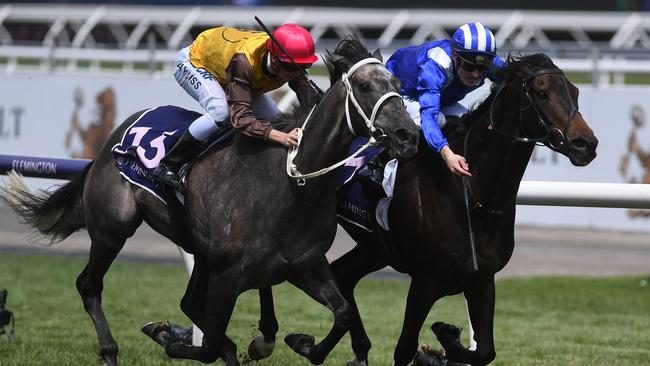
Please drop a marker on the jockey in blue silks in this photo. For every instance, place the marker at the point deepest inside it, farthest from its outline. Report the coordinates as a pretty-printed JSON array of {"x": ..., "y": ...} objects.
[{"x": 436, "y": 75}]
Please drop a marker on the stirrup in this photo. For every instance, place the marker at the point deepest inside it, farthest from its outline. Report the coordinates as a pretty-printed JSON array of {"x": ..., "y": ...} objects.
[
  {"x": 372, "y": 173},
  {"x": 165, "y": 175}
]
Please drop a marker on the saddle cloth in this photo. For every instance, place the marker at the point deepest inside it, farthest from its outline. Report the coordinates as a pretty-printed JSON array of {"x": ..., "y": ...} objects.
[
  {"x": 145, "y": 143},
  {"x": 359, "y": 201}
]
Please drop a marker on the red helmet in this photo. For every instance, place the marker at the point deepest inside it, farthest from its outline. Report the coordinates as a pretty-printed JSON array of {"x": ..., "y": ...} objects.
[{"x": 297, "y": 41}]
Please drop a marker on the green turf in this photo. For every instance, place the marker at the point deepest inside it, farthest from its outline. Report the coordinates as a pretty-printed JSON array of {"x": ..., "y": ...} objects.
[{"x": 541, "y": 321}]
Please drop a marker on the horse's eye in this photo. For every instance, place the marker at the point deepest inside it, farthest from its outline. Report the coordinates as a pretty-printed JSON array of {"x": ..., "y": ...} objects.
[
  {"x": 365, "y": 87},
  {"x": 542, "y": 95}
]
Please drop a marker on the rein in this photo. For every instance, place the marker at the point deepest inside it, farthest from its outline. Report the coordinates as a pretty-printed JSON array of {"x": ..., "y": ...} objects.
[{"x": 292, "y": 169}]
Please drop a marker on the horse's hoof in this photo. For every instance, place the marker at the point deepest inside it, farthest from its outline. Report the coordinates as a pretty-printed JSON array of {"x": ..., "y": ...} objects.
[
  {"x": 160, "y": 332},
  {"x": 300, "y": 343},
  {"x": 232, "y": 362},
  {"x": 356, "y": 362},
  {"x": 428, "y": 359},
  {"x": 180, "y": 334},
  {"x": 445, "y": 331},
  {"x": 259, "y": 348},
  {"x": 177, "y": 350},
  {"x": 109, "y": 361}
]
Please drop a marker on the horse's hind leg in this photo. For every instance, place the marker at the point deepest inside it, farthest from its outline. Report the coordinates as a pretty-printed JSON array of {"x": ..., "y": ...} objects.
[
  {"x": 262, "y": 346},
  {"x": 108, "y": 227},
  {"x": 319, "y": 283},
  {"x": 104, "y": 248}
]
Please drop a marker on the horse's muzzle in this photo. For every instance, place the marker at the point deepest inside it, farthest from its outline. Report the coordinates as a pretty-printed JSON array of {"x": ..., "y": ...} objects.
[
  {"x": 582, "y": 149},
  {"x": 405, "y": 143}
]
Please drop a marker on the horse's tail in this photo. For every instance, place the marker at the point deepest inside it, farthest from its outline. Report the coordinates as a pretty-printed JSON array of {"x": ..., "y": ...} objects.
[{"x": 55, "y": 214}]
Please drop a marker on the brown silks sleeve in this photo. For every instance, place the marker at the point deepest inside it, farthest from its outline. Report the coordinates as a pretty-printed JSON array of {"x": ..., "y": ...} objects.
[
  {"x": 306, "y": 94},
  {"x": 239, "y": 96}
]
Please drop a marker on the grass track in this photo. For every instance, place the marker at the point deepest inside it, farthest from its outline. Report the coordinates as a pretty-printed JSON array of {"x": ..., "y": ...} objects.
[{"x": 539, "y": 321}]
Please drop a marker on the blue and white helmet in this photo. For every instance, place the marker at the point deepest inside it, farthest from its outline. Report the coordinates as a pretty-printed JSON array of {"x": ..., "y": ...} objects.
[{"x": 475, "y": 42}]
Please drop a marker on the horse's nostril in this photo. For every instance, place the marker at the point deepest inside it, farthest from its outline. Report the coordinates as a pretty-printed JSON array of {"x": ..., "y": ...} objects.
[
  {"x": 583, "y": 144},
  {"x": 402, "y": 135},
  {"x": 579, "y": 144}
]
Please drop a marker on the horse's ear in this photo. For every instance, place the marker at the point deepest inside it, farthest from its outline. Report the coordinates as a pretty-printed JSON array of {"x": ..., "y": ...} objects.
[{"x": 377, "y": 55}]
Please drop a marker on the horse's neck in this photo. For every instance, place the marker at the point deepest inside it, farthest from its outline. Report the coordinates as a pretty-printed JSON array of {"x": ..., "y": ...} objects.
[
  {"x": 325, "y": 139},
  {"x": 499, "y": 161}
]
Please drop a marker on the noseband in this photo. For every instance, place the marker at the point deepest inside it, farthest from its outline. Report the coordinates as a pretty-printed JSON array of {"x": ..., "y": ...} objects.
[
  {"x": 376, "y": 134},
  {"x": 554, "y": 138}
]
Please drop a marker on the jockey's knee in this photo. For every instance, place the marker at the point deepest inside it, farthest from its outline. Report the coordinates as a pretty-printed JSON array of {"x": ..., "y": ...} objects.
[
  {"x": 218, "y": 110},
  {"x": 203, "y": 127}
]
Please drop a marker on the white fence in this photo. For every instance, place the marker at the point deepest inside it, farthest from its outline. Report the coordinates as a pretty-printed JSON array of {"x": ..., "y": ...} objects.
[
  {"x": 74, "y": 24},
  {"x": 602, "y": 43},
  {"x": 583, "y": 194}
]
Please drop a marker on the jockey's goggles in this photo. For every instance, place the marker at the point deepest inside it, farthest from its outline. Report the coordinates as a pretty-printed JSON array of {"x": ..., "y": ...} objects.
[
  {"x": 293, "y": 67},
  {"x": 470, "y": 66}
]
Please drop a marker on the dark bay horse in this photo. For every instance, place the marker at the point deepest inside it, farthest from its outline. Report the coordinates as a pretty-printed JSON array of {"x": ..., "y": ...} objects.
[
  {"x": 246, "y": 222},
  {"x": 534, "y": 103}
]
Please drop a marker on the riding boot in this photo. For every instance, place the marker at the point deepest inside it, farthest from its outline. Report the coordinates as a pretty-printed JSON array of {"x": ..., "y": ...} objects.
[
  {"x": 373, "y": 171},
  {"x": 186, "y": 148}
]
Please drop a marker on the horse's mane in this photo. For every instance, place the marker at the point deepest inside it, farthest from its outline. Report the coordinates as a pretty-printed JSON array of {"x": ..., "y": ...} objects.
[
  {"x": 348, "y": 52},
  {"x": 517, "y": 67}
]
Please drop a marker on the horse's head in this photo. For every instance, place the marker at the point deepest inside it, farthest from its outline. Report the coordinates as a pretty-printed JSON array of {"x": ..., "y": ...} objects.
[
  {"x": 548, "y": 110},
  {"x": 373, "y": 105}
]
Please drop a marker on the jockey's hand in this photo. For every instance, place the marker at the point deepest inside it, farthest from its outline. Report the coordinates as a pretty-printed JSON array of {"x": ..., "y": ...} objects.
[
  {"x": 285, "y": 139},
  {"x": 456, "y": 163}
]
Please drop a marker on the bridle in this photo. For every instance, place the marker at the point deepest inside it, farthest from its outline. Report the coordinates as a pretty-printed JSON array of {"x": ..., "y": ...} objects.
[
  {"x": 376, "y": 134},
  {"x": 560, "y": 144},
  {"x": 555, "y": 138}
]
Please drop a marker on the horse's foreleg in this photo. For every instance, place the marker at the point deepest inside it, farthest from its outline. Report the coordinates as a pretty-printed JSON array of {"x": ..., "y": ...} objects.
[
  {"x": 220, "y": 301},
  {"x": 421, "y": 297},
  {"x": 480, "y": 300},
  {"x": 348, "y": 270},
  {"x": 262, "y": 346},
  {"x": 319, "y": 283}
]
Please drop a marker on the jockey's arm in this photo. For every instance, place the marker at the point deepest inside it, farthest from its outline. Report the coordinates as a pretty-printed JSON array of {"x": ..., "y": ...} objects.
[
  {"x": 239, "y": 94},
  {"x": 432, "y": 133}
]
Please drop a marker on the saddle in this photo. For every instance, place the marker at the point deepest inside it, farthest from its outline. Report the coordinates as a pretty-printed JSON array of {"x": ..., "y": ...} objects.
[{"x": 145, "y": 142}]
